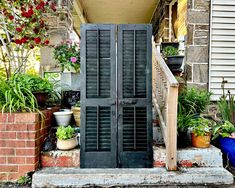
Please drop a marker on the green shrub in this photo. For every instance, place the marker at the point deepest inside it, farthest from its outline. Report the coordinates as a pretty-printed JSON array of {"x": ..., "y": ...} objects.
[
  {"x": 193, "y": 100},
  {"x": 202, "y": 126},
  {"x": 170, "y": 51},
  {"x": 223, "y": 129}
]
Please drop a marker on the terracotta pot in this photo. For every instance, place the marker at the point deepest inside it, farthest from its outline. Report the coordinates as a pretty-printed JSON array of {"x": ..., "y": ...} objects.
[
  {"x": 67, "y": 144},
  {"x": 76, "y": 115},
  {"x": 201, "y": 141}
]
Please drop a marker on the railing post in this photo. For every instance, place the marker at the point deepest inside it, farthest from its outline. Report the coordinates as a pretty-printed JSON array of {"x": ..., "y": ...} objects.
[{"x": 171, "y": 128}]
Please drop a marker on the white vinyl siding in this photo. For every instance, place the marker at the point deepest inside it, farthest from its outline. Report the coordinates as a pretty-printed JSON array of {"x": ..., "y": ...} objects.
[{"x": 222, "y": 46}]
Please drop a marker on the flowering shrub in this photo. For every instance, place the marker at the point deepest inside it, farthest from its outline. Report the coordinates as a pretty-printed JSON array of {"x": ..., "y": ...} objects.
[
  {"x": 67, "y": 55},
  {"x": 22, "y": 27}
]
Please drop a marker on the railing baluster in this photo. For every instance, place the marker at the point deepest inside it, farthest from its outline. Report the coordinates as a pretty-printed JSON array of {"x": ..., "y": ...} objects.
[{"x": 165, "y": 97}]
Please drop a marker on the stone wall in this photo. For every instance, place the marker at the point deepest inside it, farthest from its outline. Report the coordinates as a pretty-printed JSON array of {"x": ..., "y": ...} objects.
[
  {"x": 197, "y": 43},
  {"x": 21, "y": 137}
]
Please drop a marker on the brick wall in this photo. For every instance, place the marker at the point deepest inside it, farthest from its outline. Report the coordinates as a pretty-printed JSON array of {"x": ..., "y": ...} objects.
[
  {"x": 197, "y": 48},
  {"x": 21, "y": 136}
]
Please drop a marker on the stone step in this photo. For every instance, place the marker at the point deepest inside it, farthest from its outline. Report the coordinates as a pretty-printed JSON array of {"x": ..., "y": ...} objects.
[
  {"x": 191, "y": 157},
  {"x": 75, "y": 177},
  {"x": 188, "y": 157}
]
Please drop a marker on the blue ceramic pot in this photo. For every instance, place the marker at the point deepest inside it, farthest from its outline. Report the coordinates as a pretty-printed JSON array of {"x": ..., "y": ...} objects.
[{"x": 227, "y": 146}]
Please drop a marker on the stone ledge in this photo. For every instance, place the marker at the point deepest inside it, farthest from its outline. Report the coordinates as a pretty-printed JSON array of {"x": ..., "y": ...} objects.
[{"x": 75, "y": 177}]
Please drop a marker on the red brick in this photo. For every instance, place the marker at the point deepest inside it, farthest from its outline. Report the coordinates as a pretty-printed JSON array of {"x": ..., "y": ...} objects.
[
  {"x": 3, "y": 176},
  {"x": 185, "y": 163},
  {"x": 159, "y": 163},
  {"x": 61, "y": 161},
  {"x": 16, "y": 127},
  {"x": 26, "y": 152},
  {"x": 3, "y": 160},
  {"x": 3, "y": 117},
  {"x": 33, "y": 126},
  {"x": 26, "y": 117},
  {"x": 2, "y": 126},
  {"x": 12, "y": 143},
  {"x": 7, "y": 151},
  {"x": 30, "y": 143},
  {"x": 16, "y": 160},
  {"x": 7, "y": 135},
  {"x": 11, "y": 118},
  {"x": 32, "y": 160},
  {"x": 26, "y": 135},
  {"x": 8, "y": 168},
  {"x": 28, "y": 168}
]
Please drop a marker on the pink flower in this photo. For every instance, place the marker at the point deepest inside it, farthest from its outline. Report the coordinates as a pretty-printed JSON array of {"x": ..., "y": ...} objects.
[{"x": 73, "y": 59}]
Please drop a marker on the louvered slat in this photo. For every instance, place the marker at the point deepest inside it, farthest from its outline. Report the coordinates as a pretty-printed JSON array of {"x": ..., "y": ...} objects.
[{"x": 98, "y": 129}]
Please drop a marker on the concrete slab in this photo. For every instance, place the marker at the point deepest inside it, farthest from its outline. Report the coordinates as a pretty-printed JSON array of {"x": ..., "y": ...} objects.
[{"x": 75, "y": 177}]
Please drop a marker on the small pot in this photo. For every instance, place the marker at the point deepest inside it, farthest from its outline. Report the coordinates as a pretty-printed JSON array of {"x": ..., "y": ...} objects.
[
  {"x": 201, "y": 141},
  {"x": 76, "y": 115},
  {"x": 183, "y": 139},
  {"x": 67, "y": 144},
  {"x": 63, "y": 118}
]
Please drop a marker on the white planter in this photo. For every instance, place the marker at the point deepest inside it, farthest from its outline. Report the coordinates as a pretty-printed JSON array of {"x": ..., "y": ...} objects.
[
  {"x": 67, "y": 144},
  {"x": 63, "y": 118}
]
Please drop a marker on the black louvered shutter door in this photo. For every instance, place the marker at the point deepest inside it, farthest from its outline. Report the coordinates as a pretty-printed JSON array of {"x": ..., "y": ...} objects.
[
  {"x": 134, "y": 96},
  {"x": 98, "y": 96}
]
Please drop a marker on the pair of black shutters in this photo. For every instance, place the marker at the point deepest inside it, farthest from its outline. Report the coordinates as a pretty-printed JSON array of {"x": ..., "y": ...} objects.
[{"x": 116, "y": 96}]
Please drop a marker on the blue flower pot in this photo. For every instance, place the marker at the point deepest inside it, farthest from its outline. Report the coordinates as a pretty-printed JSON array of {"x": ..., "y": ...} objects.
[{"x": 227, "y": 146}]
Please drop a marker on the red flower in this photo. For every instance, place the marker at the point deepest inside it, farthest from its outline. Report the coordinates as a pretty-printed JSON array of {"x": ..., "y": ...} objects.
[
  {"x": 37, "y": 40},
  {"x": 24, "y": 40},
  {"x": 24, "y": 14},
  {"x": 38, "y": 7},
  {"x": 18, "y": 41},
  {"x": 46, "y": 42},
  {"x": 11, "y": 17},
  {"x": 42, "y": 4},
  {"x": 18, "y": 29},
  {"x": 30, "y": 12}
]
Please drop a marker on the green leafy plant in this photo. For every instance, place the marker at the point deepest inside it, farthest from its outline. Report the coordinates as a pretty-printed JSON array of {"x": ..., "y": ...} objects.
[
  {"x": 184, "y": 121},
  {"x": 223, "y": 129},
  {"x": 227, "y": 107},
  {"x": 65, "y": 133},
  {"x": 67, "y": 55},
  {"x": 24, "y": 180},
  {"x": 14, "y": 97},
  {"x": 193, "y": 100},
  {"x": 34, "y": 83},
  {"x": 202, "y": 126},
  {"x": 77, "y": 104},
  {"x": 170, "y": 51}
]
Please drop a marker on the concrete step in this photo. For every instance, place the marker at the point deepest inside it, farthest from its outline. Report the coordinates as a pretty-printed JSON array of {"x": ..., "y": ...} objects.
[
  {"x": 75, "y": 177},
  {"x": 191, "y": 157}
]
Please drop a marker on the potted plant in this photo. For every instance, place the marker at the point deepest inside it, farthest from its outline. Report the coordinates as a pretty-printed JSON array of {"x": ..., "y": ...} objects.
[
  {"x": 63, "y": 118},
  {"x": 173, "y": 59},
  {"x": 201, "y": 132},
  {"x": 76, "y": 113},
  {"x": 67, "y": 54},
  {"x": 66, "y": 138},
  {"x": 40, "y": 87},
  {"x": 225, "y": 132}
]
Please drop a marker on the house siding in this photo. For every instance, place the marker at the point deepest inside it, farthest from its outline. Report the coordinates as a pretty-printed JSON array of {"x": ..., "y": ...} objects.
[{"x": 222, "y": 51}]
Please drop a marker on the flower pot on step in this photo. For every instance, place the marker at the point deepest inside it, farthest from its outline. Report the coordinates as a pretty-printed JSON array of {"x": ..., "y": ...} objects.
[
  {"x": 201, "y": 141},
  {"x": 41, "y": 98},
  {"x": 63, "y": 118},
  {"x": 227, "y": 146},
  {"x": 67, "y": 144}
]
